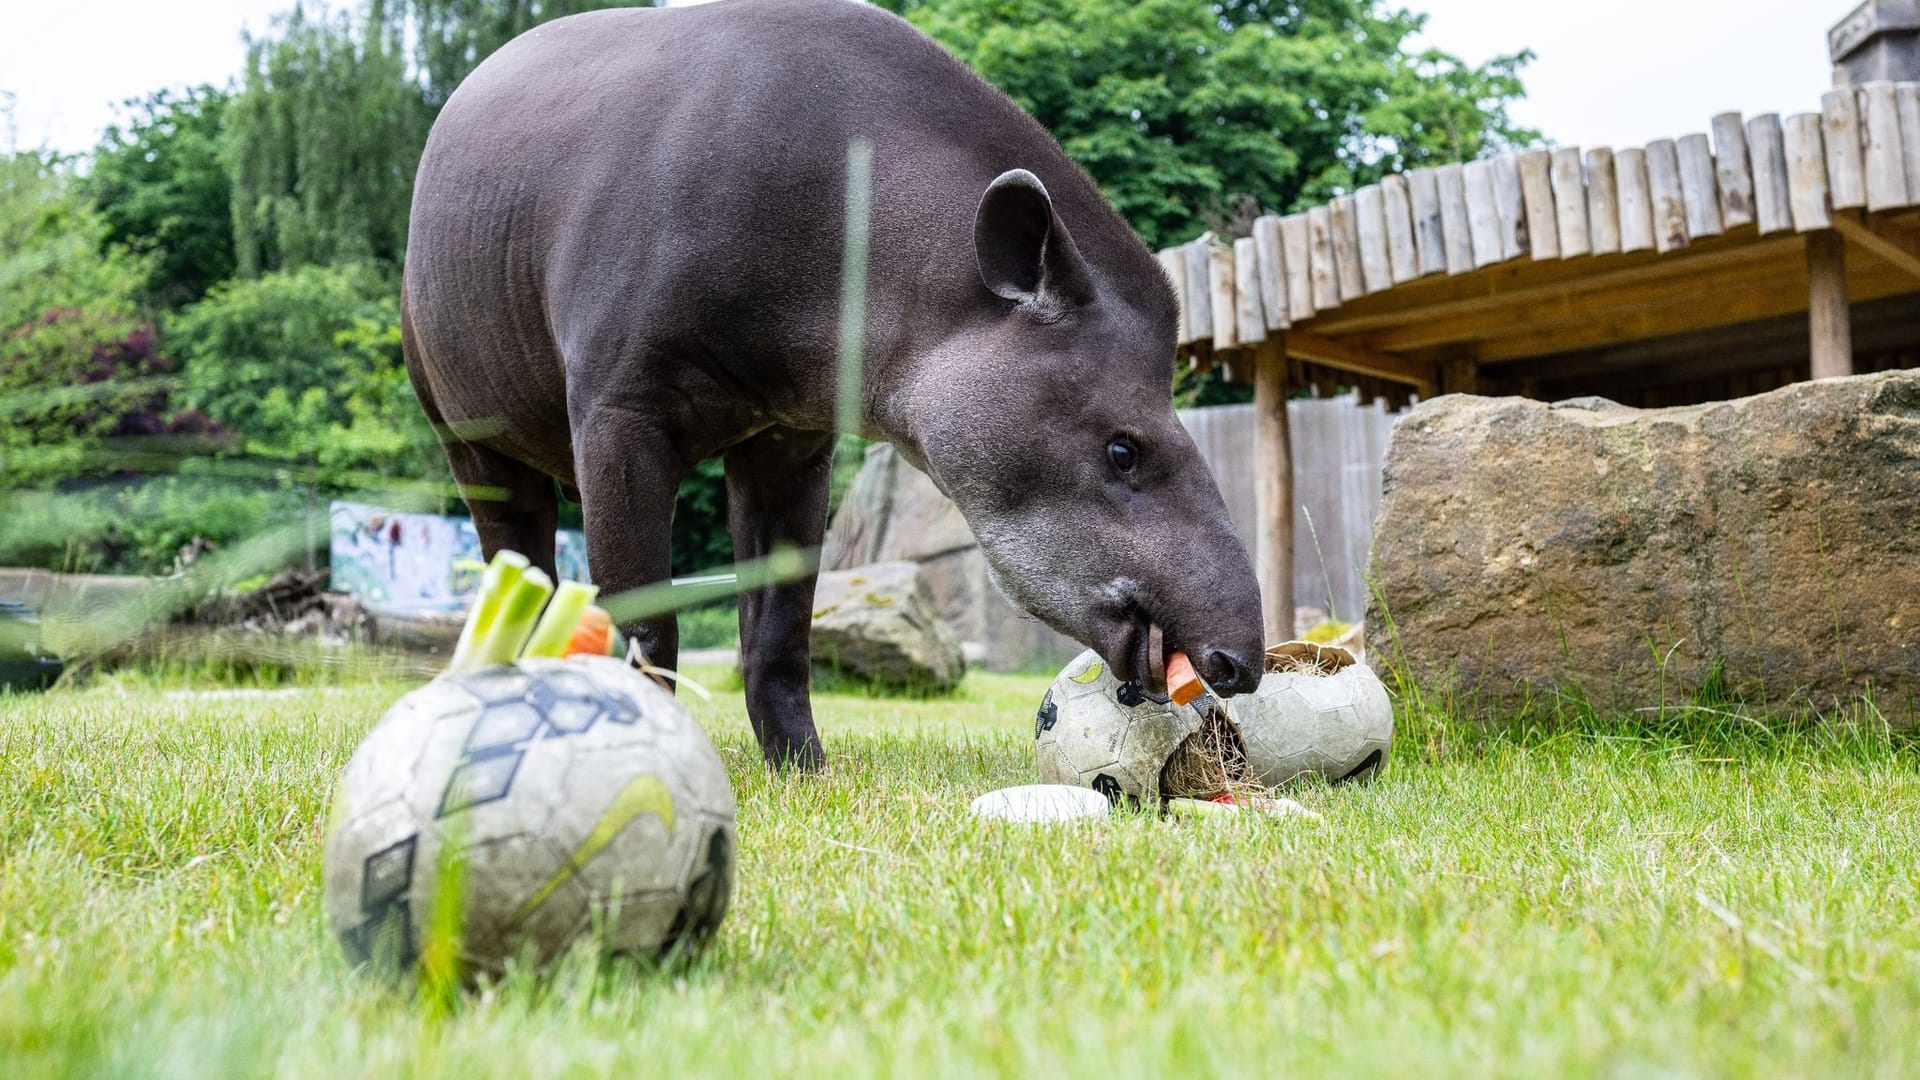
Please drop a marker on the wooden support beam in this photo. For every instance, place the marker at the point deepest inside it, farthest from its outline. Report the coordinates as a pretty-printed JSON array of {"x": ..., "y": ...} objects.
[
  {"x": 1346, "y": 356},
  {"x": 1829, "y": 320},
  {"x": 1273, "y": 488},
  {"x": 1897, "y": 246}
]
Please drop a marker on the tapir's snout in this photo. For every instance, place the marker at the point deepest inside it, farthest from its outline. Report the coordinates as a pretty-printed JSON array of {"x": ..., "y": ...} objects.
[{"x": 1230, "y": 673}]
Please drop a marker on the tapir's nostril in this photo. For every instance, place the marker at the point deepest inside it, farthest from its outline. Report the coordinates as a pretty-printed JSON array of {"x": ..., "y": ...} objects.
[{"x": 1228, "y": 674}]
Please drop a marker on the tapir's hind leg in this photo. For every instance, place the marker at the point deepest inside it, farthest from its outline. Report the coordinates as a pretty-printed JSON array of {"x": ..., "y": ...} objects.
[
  {"x": 515, "y": 506},
  {"x": 777, "y": 494}
]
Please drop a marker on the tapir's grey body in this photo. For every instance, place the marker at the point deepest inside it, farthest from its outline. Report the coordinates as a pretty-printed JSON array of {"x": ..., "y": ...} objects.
[{"x": 625, "y": 258}]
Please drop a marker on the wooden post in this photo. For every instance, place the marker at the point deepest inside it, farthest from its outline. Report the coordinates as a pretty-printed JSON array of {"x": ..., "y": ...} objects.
[
  {"x": 1429, "y": 235},
  {"x": 1370, "y": 222},
  {"x": 1772, "y": 203},
  {"x": 1830, "y": 328},
  {"x": 1730, "y": 159},
  {"x": 1603, "y": 202},
  {"x": 1570, "y": 202},
  {"x": 1399, "y": 207},
  {"x": 1698, "y": 187},
  {"x": 1273, "y": 489},
  {"x": 1636, "y": 202},
  {"x": 1885, "y": 154},
  {"x": 1669, "y": 202}
]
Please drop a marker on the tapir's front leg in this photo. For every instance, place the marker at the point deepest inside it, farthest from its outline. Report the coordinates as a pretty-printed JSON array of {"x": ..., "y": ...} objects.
[{"x": 777, "y": 494}]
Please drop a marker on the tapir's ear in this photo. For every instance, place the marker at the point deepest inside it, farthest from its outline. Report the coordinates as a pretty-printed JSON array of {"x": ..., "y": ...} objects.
[{"x": 1023, "y": 248}]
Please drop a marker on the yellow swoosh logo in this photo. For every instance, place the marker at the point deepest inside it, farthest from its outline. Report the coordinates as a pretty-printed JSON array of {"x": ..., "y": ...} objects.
[
  {"x": 1086, "y": 677},
  {"x": 643, "y": 795}
]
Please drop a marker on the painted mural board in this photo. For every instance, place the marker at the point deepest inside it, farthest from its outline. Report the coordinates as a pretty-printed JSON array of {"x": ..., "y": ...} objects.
[{"x": 400, "y": 561}]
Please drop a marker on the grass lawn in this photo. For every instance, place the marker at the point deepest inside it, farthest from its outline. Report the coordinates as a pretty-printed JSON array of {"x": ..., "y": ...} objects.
[{"x": 1711, "y": 900}]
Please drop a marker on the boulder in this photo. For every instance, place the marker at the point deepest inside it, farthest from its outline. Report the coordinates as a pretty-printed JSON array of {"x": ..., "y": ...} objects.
[
  {"x": 1765, "y": 550},
  {"x": 879, "y": 623}
]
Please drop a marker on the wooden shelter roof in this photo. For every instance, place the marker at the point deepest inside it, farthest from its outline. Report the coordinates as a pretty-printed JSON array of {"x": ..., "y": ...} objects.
[{"x": 1450, "y": 277}]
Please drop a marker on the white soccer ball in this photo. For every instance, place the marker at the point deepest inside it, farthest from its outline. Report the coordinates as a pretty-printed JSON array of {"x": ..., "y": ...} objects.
[
  {"x": 1317, "y": 711},
  {"x": 1097, "y": 732},
  {"x": 525, "y": 807}
]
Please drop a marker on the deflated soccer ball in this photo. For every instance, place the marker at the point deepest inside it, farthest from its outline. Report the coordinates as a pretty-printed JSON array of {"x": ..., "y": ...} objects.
[
  {"x": 518, "y": 809},
  {"x": 1317, "y": 711},
  {"x": 1097, "y": 732}
]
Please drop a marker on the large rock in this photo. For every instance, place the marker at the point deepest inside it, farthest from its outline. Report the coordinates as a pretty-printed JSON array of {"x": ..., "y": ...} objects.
[
  {"x": 893, "y": 512},
  {"x": 1767, "y": 549},
  {"x": 879, "y": 623}
]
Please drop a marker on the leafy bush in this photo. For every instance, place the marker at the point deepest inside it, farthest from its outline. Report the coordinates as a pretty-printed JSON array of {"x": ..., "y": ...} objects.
[
  {"x": 305, "y": 366},
  {"x": 138, "y": 526}
]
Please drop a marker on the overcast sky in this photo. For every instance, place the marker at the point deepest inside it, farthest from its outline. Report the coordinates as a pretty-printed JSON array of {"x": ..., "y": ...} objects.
[{"x": 1617, "y": 73}]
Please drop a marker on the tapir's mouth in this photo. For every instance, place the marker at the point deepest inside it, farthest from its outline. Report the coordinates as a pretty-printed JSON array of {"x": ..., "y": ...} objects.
[{"x": 1138, "y": 652}]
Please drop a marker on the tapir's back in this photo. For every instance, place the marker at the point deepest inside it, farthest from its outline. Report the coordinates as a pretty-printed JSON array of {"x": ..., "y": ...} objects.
[{"x": 661, "y": 190}]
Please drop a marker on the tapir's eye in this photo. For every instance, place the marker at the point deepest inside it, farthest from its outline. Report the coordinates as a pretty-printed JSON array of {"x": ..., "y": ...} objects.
[{"x": 1123, "y": 455}]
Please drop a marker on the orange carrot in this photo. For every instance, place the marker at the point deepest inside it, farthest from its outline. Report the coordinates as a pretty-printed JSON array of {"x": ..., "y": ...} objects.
[
  {"x": 1183, "y": 686},
  {"x": 593, "y": 635}
]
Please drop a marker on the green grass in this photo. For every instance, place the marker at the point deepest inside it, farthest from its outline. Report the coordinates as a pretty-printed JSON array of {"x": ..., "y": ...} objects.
[{"x": 1689, "y": 899}]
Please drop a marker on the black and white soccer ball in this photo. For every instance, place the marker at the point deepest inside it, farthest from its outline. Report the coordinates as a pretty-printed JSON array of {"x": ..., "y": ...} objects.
[
  {"x": 1317, "y": 712},
  {"x": 522, "y": 808},
  {"x": 1098, "y": 732}
]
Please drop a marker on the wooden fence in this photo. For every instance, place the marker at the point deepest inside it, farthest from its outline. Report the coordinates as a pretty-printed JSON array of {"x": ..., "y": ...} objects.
[{"x": 1338, "y": 448}]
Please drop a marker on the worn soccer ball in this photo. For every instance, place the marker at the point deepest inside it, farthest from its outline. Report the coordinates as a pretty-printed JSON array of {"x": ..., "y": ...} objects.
[
  {"x": 1317, "y": 711},
  {"x": 1098, "y": 732},
  {"x": 519, "y": 809}
]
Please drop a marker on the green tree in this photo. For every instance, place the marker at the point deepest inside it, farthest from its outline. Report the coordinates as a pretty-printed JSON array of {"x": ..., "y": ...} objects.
[
  {"x": 158, "y": 182},
  {"x": 1194, "y": 114},
  {"x": 76, "y": 359},
  {"x": 322, "y": 142},
  {"x": 326, "y": 131}
]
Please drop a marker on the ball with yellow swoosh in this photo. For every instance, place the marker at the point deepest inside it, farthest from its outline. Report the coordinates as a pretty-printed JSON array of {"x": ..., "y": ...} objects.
[{"x": 505, "y": 815}]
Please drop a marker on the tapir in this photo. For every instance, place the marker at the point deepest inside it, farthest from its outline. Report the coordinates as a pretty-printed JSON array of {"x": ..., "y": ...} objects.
[{"x": 625, "y": 257}]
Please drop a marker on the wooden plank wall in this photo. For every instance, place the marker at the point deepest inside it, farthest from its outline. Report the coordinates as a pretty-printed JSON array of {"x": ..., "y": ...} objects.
[
  {"x": 1859, "y": 153},
  {"x": 1339, "y": 446}
]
